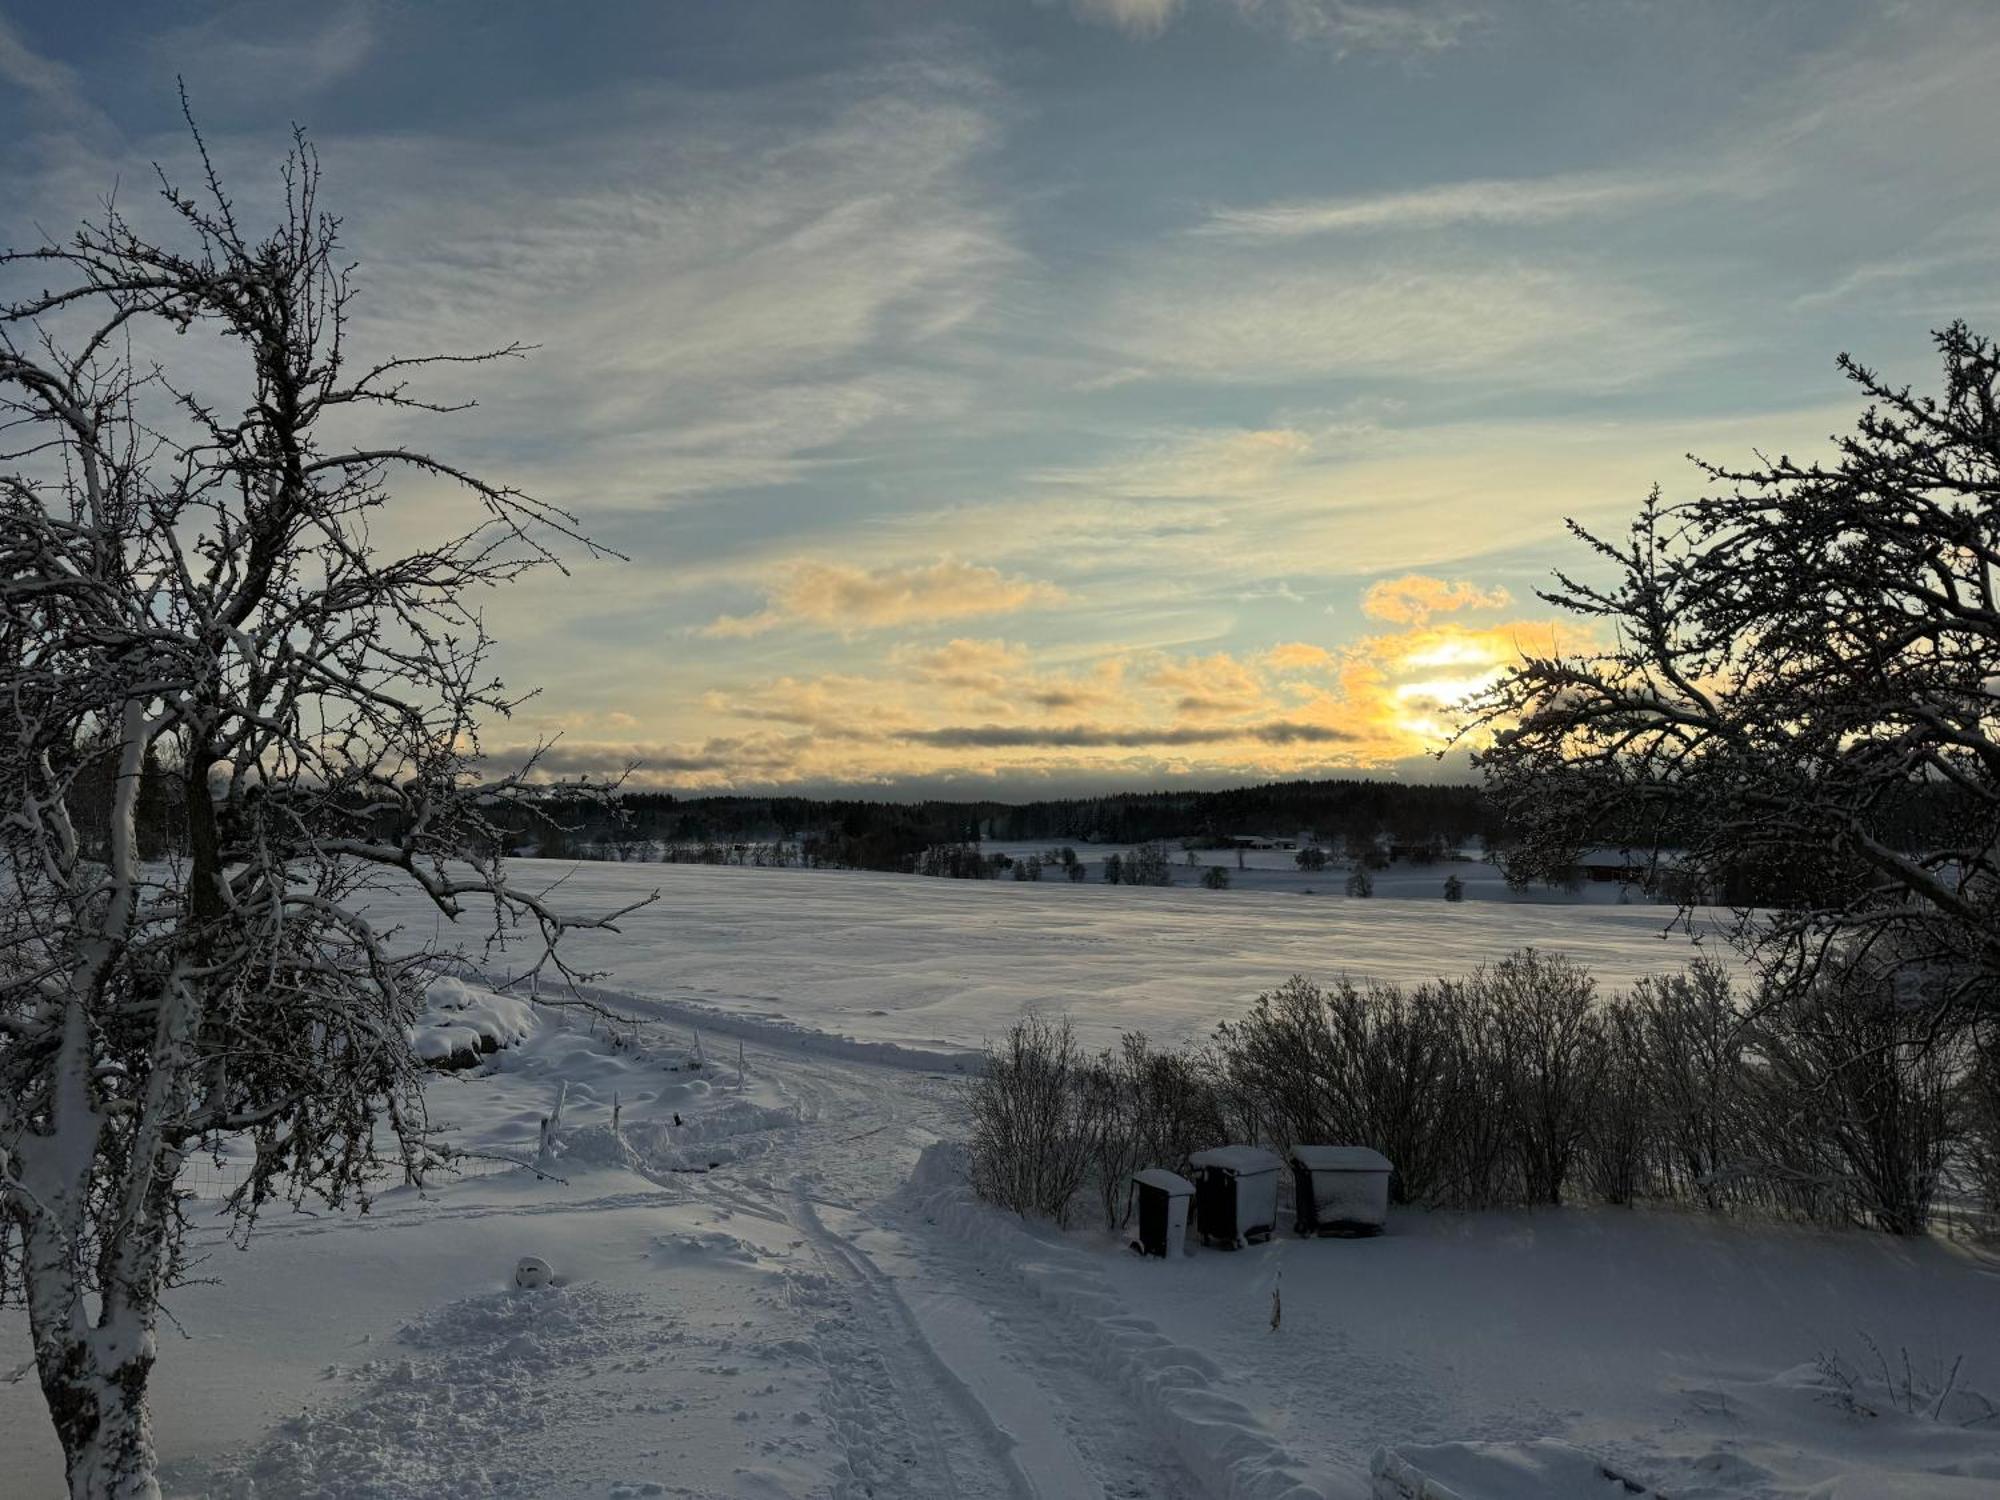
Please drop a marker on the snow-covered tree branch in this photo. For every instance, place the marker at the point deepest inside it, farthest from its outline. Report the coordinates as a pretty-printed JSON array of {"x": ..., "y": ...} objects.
[
  {"x": 1801, "y": 690},
  {"x": 194, "y": 600}
]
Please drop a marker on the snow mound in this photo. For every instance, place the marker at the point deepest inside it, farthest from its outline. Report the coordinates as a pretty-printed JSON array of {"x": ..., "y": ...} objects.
[
  {"x": 1500, "y": 1471},
  {"x": 706, "y": 1245},
  {"x": 462, "y": 1023}
]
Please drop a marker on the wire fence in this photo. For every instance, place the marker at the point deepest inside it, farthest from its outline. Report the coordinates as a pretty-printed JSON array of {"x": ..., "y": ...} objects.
[{"x": 206, "y": 1180}]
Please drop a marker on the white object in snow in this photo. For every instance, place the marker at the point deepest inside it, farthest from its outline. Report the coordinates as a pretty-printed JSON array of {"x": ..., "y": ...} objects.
[
  {"x": 1340, "y": 1189},
  {"x": 1163, "y": 1212},
  {"x": 1236, "y": 1191},
  {"x": 531, "y": 1272}
]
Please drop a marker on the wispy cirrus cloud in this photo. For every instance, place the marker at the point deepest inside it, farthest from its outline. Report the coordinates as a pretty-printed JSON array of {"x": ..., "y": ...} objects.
[
  {"x": 1435, "y": 319},
  {"x": 1340, "y": 27},
  {"x": 1399, "y": 27},
  {"x": 1491, "y": 201},
  {"x": 1135, "y": 17},
  {"x": 245, "y": 55}
]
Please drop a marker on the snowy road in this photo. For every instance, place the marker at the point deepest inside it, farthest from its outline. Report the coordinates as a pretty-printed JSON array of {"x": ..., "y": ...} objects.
[{"x": 943, "y": 1384}]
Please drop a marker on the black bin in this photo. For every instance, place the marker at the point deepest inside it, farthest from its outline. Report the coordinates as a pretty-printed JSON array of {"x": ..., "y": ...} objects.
[
  {"x": 1236, "y": 1195},
  {"x": 1163, "y": 1201}
]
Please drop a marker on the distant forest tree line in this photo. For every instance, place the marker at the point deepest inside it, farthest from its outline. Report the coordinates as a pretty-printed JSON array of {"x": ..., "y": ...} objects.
[{"x": 942, "y": 838}]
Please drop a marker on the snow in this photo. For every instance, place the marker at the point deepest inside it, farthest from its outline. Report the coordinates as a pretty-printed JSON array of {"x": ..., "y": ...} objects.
[
  {"x": 1244, "y": 1161},
  {"x": 1340, "y": 1159},
  {"x": 1167, "y": 1182},
  {"x": 774, "y": 1280},
  {"x": 944, "y": 966},
  {"x": 463, "y": 1021}
]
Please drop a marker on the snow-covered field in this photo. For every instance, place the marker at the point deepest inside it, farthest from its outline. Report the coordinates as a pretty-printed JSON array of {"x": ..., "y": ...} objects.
[
  {"x": 947, "y": 964},
  {"x": 775, "y": 1283}
]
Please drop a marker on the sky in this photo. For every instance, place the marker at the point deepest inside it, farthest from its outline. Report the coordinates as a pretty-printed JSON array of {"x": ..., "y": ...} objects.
[{"x": 1007, "y": 398}]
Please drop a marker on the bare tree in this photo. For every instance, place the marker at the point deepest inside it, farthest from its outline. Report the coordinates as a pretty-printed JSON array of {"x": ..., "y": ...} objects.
[
  {"x": 1800, "y": 685},
  {"x": 191, "y": 581}
]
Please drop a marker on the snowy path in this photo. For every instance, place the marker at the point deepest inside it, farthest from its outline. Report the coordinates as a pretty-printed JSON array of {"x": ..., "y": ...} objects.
[{"x": 976, "y": 1400}]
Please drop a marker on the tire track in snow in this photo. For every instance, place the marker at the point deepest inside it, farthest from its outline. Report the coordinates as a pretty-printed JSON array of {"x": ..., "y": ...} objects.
[
  {"x": 1054, "y": 1430},
  {"x": 928, "y": 1395}
]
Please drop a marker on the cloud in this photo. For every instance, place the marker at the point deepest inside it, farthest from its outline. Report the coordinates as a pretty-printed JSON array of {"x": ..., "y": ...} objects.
[
  {"x": 837, "y": 596},
  {"x": 1135, "y": 17},
  {"x": 1414, "y": 598},
  {"x": 1341, "y": 27},
  {"x": 1207, "y": 686},
  {"x": 54, "y": 86},
  {"x": 1401, "y": 27},
  {"x": 1521, "y": 200},
  {"x": 1077, "y": 736},
  {"x": 1211, "y": 318},
  {"x": 1296, "y": 655},
  {"x": 248, "y": 58},
  {"x": 990, "y": 667}
]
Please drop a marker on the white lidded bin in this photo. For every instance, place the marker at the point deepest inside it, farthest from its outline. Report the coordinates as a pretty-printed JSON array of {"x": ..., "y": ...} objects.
[
  {"x": 1340, "y": 1189},
  {"x": 1163, "y": 1201},
  {"x": 1236, "y": 1194}
]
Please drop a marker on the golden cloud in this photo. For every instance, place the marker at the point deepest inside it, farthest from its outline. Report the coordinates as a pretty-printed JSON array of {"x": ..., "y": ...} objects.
[
  {"x": 1415, "y": 597},
  {"x": 976, "y": 708}
]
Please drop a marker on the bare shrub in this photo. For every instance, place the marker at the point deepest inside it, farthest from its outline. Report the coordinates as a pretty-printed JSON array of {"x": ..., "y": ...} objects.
[
  {"x": 1982, "y": 1119},
  {"x": 1284, "y": 1063},
  {"x": 1031, "y": 1144},
  {"x": 1175, "y": 1108},
  {"x": 1856, "y": 1098},
  {"x": 1549, "y": 1047},
  {"x": 1619, "y": 1140},
  {"x": 1406, "y": 1072},
  {"x": 1691, "y": 1035}
]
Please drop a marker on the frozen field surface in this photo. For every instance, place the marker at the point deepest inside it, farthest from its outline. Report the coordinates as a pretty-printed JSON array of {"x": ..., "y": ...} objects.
[
  {"x": 947, "y": 964},
  {"x": 773, "y": 1280}
]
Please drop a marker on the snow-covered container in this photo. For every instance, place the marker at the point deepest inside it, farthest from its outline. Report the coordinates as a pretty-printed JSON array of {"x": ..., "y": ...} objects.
[
  {"x": 1235, "y": 1194},
  {"x": 1340, "y": 1189},
  {"x": 1163, "y": 1199}
]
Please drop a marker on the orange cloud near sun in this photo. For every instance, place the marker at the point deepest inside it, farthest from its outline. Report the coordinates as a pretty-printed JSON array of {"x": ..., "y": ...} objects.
[{"x": 1415, "y": 598}]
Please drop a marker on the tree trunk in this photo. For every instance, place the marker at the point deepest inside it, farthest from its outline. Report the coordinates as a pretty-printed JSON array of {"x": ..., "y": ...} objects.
[
  {"x": 101, "y": 1417},
  {"x": 93, "y": 1376}
]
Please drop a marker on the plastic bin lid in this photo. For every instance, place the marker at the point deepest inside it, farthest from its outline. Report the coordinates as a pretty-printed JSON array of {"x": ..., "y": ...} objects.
[
  {"x": 1340, "y": 1159},
  {"x": 1242, "y": 1160},
  {"x": 1169, "y": 1182}
]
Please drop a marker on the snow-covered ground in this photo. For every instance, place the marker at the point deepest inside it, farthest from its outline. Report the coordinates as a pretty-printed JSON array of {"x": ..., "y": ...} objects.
[
  {"x": 790, "y": 1291},
  {"x": 947, "y": 964}
]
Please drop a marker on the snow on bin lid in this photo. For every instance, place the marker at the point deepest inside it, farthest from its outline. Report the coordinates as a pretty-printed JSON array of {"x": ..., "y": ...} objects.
[
  {"x": 1168, "y": 1182},
  {"x": 1242, "y": 1160},
  {"x": 1340, "y": 1159}
]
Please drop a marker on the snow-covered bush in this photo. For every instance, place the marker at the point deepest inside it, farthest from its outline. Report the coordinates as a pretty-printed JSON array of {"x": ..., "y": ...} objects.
[{"x": 463, "y": 1023}]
